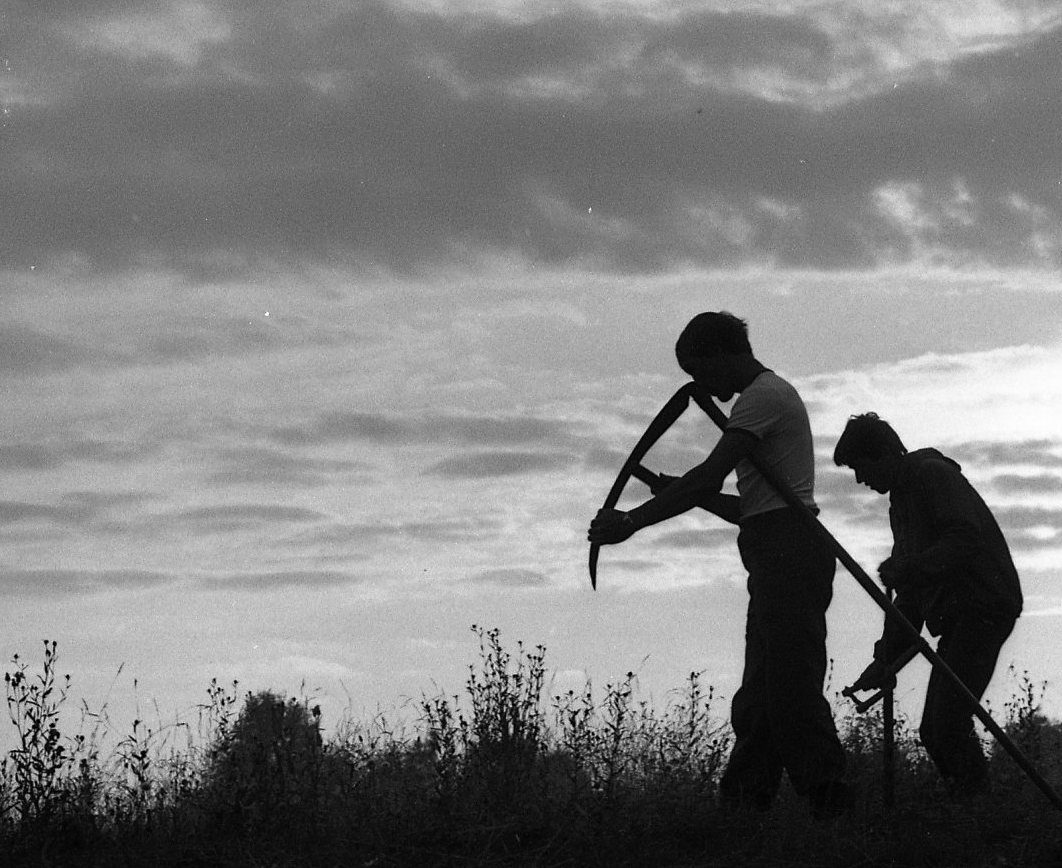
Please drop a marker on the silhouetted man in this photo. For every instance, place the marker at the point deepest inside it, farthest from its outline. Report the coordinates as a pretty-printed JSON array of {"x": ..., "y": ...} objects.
[
  {"x": 952, "y": 571},
  {"x": 780, "y": 718}
]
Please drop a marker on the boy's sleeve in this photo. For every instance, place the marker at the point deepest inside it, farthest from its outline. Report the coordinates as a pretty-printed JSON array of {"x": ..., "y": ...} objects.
[
  {"x": 954, "y": 506},
  {"x": 894, "y": 638},
  {"x": 754, "y": 413}
]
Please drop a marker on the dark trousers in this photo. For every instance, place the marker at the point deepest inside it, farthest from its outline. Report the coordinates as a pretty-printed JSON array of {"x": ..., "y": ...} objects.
[
  {"x": 970, "y": 646},
  {"x": 779, "y": 716}
]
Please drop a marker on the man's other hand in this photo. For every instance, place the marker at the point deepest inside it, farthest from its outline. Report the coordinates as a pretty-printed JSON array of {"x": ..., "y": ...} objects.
[
  {"x": 875, "y": 677},
  {"x": 611, "y": 526},
  {"x": 896, "y": 572}
]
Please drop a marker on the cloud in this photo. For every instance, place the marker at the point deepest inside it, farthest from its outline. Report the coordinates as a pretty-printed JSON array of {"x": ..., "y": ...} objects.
[
  {"x": 113, "y": 330},
  {"x": 402, "y": 136},
  {"x": 484, "y": 465},
  {"x": 39, "y": 583},
  {"x": 242, "y": 516},
  {"x": 510, "y": 578},
  {"x": 347, "y": 426},
  {"x": 250, "y": 465},
  {"x": 699, "y": 539},
  {"x": 442, "y": 530},
  {"x": 179, "y": 33},
  {"x": 1039, "y": 484},
  {"x": 27, "y": 456},
  {"x": 15, "y": 512},
  {"x": 24, "y": 351},
  {"x": 267, "y": 581},
  {"x": 1040, "y": 453},
  {"x": 939, "y": 399},
  {"x": 1051, "y": 612},
  {"x": 1026, "y": 517},
  {"x": 387, "y": 429},
  {"x": 32, "y": 457}
]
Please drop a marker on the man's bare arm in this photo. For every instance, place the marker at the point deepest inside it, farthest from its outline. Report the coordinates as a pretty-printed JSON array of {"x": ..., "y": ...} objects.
[
  {"x": 724, "y": 506},
  {"x": 701, "y": 485}
]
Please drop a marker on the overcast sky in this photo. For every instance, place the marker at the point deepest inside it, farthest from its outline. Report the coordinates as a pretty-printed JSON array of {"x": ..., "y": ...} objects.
[{"x": 326, "y": 325}]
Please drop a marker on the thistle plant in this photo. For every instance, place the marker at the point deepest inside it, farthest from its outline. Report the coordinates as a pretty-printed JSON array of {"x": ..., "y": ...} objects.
[
  {"x": 42, "y": 756},
  {"x": 506, "y": 697}
]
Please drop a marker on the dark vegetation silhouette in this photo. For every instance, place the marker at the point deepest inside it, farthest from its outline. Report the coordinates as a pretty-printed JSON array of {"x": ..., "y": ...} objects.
[{"x": 508, "y": 773}]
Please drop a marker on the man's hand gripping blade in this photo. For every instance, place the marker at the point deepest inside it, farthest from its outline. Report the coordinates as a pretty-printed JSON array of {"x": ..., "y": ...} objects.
[{"x": 675, "y": 407}]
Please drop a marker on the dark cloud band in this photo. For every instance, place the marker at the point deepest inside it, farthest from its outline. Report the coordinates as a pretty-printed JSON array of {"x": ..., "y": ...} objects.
[{"x": 402, "y": 138}]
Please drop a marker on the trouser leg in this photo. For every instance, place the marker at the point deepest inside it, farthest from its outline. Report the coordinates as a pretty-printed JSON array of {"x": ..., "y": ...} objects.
[
  {"x": 784, "y": 718},
  {"x": 754, "y": 769},
  {"x": 800, "y": 717},
  {"x": 970, "y": 648}
]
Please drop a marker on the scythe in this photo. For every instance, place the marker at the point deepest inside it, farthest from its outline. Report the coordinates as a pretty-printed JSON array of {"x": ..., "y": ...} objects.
[{"x": 675, "y": 407}]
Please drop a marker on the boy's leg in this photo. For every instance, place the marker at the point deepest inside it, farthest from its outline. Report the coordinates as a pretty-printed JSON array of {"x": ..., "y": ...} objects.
[
  {"x": 971, "y": 649},
  {"x": 754, "y": 769},
  {"x": 792, "y": 577}
]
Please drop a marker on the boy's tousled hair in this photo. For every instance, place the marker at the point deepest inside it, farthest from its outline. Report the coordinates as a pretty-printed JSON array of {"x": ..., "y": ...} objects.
[
  {"x": 712, "y": 334},
  {"x": 867, "y": 437}
]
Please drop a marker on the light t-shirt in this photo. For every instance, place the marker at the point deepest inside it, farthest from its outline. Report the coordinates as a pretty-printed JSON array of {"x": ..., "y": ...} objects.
[{"x": 771, "y": 410}]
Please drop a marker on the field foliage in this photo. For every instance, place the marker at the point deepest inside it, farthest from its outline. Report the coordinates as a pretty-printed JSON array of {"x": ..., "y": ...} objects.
[{"x": 502, "y": 774}]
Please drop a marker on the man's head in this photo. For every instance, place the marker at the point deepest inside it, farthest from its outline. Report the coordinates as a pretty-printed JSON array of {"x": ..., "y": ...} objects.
[
  {"x": 708, "y": 349},
  {"x": 871, "y": 447}
]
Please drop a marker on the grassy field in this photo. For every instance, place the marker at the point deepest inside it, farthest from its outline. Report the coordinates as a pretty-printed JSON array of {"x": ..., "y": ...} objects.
[{"x": 501, "y": 775}]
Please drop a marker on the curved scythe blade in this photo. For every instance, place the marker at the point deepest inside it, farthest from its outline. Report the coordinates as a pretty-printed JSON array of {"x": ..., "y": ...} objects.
[{"x": 675, "y": 407}]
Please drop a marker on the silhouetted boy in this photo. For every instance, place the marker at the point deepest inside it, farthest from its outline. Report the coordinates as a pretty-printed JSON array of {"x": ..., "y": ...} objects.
[
  {"x": 952, "y": 571},
  {"x": 780, "y": 718}
]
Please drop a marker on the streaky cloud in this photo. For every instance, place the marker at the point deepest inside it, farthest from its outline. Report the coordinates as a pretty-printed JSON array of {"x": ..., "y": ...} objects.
[
  {"x": 699, "y": 538},
  {"x": 66, "y": 515},
  {"x": 510, "y": 578},
  {"x": 486, "y": 465},
  {"x": 266, "y": 581},
  {"x": 56, "y": 453},
  {"x": 253, "y": 465},
  {"x": 44, "y": 582},
  {"x": 441, "y": 530},
  {"x": 1041, "y": 483},
  {"x": 1041, "y": 453},
  {"x": 242, "y": 516},
  {"x": 26, "y": 351},
  {"x": 343, "y": 426}
]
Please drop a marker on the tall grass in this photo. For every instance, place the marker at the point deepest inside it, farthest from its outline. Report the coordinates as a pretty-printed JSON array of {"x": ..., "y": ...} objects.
[{"x": 503, "y": 774}]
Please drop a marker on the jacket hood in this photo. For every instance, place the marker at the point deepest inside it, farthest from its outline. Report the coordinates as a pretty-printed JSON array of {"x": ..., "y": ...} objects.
[{"x": 920, "y": 456}]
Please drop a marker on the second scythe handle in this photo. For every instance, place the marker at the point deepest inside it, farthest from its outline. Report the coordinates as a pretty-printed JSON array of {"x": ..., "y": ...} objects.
[
  {"x": 864, "y": 705},
  {"x": 706, "y": 403},
  {"x": 644, "y": 474}
]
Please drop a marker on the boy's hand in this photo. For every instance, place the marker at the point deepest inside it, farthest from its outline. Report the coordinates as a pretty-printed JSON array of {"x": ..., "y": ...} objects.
[
  {"x": 896, "y": 572},
  {"x": 611, "y": 526},
  {"x": 875, "y": 677}
]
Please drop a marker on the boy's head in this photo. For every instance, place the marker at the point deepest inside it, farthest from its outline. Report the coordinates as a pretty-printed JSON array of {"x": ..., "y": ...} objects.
[
  {"x": 871, "y": 447},
  {"x": 867, "y": 437},
  {"x": 712, "y": 334}
]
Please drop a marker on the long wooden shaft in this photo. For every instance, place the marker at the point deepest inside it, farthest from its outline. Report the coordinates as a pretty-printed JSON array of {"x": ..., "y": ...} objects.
[{"x": 888, "y": 744}]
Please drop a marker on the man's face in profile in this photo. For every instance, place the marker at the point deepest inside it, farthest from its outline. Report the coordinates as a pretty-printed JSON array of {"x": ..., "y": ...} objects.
[{"x": 714, "y": 373}]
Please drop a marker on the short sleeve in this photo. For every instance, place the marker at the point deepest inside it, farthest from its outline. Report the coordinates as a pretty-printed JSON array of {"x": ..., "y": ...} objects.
[{"x": 755, "y": 413}]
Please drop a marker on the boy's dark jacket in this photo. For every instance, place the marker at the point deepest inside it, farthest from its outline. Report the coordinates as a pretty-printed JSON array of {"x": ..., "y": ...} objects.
[{"x": 956, "y": 559}]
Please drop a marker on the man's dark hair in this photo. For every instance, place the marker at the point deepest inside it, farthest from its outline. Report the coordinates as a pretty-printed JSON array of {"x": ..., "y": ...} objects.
[
  {"x": 867, "y": 437},
  {"x": 712, "y": 334}
]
